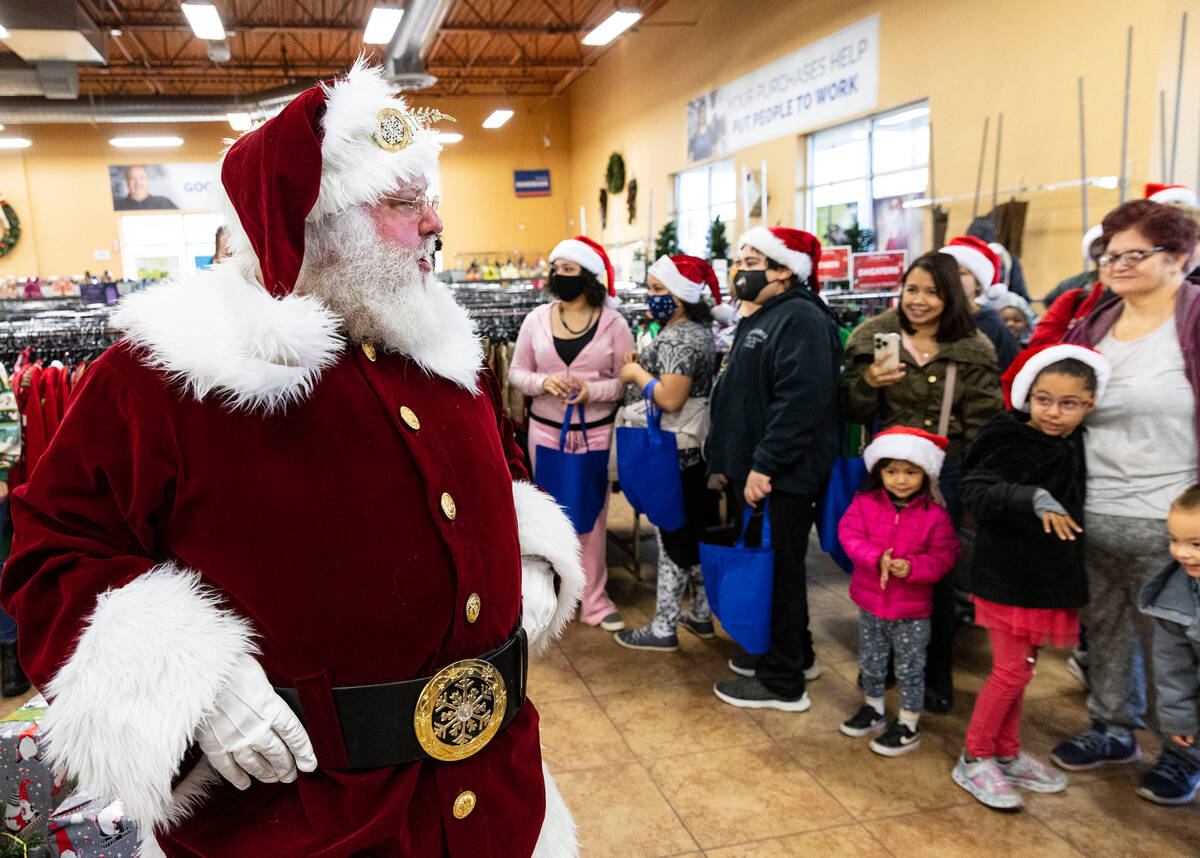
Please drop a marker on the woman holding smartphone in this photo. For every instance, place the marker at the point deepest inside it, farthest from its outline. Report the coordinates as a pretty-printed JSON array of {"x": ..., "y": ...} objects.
[
  {"x": 939, "y": 345},
  {"x": 569, "y": 352}
]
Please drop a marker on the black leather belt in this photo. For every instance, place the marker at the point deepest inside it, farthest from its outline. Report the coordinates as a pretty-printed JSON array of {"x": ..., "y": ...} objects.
[
  {"x": 557, "y": 424},
  {"x": 449, "y": 716}
]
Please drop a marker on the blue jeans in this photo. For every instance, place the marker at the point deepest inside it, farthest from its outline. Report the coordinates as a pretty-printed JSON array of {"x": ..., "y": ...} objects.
[{"x": 8, "y": 626}]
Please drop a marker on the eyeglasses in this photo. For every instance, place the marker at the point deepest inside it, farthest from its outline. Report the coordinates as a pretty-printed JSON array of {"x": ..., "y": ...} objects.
[
  {"x": 1069, "y": 405},
  {"x": 416, "y": 207},
  {"x": 1129, "y": 257}
]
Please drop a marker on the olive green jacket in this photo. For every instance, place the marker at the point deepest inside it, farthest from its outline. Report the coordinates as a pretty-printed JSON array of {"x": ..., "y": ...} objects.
[{"x": 916, "y": 400}]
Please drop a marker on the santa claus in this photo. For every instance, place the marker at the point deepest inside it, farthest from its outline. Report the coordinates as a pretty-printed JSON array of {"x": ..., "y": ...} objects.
[{"x": 278, "y": 567}]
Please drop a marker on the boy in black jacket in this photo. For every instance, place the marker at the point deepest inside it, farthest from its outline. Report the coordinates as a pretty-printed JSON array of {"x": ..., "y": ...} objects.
[{"x": 774, "y": 435}]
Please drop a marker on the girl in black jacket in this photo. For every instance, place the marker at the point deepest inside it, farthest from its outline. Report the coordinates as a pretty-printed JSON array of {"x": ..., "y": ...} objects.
[{"x": 1025, "y": 487}]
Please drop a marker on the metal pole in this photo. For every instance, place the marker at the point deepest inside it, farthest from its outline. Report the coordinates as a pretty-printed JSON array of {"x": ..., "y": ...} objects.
[
  {"x": 1082, "y": 160},
  {"x": 1178, "y": 94},
  {"x": 996, "y": 173},
  {"x": 1162, "y": 132},
  {"x": 583, "y": 220},
  {"x": 764, "y": 191},
  {"x": 979, "y": 174},
  {"x": 932, "y": 183},
  {"x": 1124, "y": 183}
]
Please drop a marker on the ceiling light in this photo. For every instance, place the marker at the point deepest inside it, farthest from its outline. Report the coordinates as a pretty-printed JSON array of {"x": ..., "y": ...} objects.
[
  {"x": 4, "y": 34},
  {"x": 116, "y": 32},
  {"x": 145, "y": 142},
  {"x": 1, "y": 126},
  {"x": 498, "y": 118},
  {"x": 449, "y": 137},
  {"x": 15, "y": 142},
  {"x": 382, "y": 24},
  {"x": 205, "y": 21},
  {"x": 903, "y": 116},
  {"x": 240, "y": 121},
  {"x": 613, "y": 26}
]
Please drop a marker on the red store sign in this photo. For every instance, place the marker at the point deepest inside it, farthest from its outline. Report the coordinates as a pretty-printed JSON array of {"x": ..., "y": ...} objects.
[
  {"x": 879, "y": 272},
  {"x": 834, "y": 265}
]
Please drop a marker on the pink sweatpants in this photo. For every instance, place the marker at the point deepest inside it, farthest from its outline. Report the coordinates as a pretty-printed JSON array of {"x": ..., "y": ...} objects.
[
  {"x": 596, "y": 605},
  {"x": 995, "y": 729}
]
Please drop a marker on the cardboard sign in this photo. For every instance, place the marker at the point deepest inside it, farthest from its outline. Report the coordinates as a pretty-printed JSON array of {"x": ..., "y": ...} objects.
[
  {"x": 879, "y": 272},
  {"x": 834, "y": 266}
]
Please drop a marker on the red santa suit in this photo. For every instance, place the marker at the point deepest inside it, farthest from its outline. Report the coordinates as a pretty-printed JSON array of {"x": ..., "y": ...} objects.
[{"x": 235, "y": 477}]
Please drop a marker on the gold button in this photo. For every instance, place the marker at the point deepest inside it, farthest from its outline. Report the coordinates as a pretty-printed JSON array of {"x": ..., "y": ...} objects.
[
  {"x": 409, "y": 418},
  {"x": 369, "y": 351},
  {"x": 928, "y": 422},
  {"x": 932, "y": 379},
  {"x": 464, "y": 804},
  {"x": 473, "y": 606},
  {"x": 448, "y": 508}
]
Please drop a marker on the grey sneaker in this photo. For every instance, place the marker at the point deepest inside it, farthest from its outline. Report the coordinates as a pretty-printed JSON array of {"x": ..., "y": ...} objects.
[
  {"x": 746, "y": 664},
  {"x": 614, "y": 622},
  {"x": 748, "y": 693},
  {"x": 984, "y": 780},
  {"x": 1026, "y": 772},
  {"x": 645, "y": 638}
]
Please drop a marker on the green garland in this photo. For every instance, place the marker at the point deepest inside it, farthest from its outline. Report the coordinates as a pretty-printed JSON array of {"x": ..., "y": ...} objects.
[
  {"x": 614, "y": 175},
  {"x": 8, "y": 239}
]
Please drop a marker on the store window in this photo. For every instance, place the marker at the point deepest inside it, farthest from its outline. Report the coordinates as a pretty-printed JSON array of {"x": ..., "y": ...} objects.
[
  {"x": 863, "y": 173},
  {"x": 701, "y": 195},
  {"x": 166, "y": 245}
]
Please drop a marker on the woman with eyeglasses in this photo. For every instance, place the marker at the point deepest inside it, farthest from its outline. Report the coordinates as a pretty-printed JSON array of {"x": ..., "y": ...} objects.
[{"x": 1141, "y": 449}]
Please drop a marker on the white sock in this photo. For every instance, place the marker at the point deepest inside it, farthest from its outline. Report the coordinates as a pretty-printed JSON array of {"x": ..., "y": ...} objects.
[
  {"x": 876, "y": 703},
  {"x": 910, "y": 719}
]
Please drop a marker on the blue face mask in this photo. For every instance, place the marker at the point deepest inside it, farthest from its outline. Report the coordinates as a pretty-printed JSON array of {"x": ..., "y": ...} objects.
[{"x": 662, "y": 307}]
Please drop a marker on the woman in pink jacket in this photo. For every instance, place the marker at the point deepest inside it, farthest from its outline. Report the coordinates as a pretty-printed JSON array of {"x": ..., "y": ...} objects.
[
  {"x": 570, "y": 352},
  {"x": 902, "y": 542}
]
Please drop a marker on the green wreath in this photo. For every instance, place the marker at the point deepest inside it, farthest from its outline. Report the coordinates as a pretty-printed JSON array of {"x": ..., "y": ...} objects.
[
  {"x": 8, "y": 240},
  {"x": 614, "y": 176}
]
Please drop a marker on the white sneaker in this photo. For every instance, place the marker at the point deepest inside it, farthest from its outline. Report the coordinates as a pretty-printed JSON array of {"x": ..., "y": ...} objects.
[
  {"x": 984, "y": 780},
  {"x": 1026, "y": 772}
]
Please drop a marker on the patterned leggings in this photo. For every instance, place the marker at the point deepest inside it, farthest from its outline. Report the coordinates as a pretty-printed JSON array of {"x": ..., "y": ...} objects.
[
  {"x": 907, "y": 639},
  {"x": 673, "y": 582}
]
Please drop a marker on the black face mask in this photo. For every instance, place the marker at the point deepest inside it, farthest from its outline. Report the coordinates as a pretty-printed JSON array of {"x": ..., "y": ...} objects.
[
  {"x": 748, "y": 284},
  {"x": 567, "y": 287}
]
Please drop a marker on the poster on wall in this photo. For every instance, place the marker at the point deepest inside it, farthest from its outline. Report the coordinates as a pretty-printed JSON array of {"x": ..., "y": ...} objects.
[
  {"x": 833, "y": 223},
  {"x": 159, "y": 187},
  {"x": 531, "y": 183},
  {"x": 827, "y": 80},
  {"x": 898, "y": 228}
]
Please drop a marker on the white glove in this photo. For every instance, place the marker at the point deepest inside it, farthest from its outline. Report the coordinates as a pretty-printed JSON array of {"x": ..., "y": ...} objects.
[
  {"x": 538, "y": 599},
  {"x": 253, "y": 733}
]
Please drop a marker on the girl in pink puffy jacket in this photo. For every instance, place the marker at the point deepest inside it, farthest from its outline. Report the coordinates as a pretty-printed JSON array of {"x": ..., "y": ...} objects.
[{"x": 902, "y": 542}]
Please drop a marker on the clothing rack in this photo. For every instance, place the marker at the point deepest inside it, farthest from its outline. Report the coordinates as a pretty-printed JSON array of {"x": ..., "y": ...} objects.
[{"x": 60, "y": 334}]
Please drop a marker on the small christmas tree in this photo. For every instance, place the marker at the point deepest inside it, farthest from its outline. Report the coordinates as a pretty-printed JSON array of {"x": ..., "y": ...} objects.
[
  {"x": 667, "y": 243},
  {"x": 861, "y": 240},
  {"x": 718, "y": 245}
]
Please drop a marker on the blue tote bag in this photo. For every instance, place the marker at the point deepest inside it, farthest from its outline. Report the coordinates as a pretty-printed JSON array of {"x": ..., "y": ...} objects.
[
  {"x": 846, "y": 478},
  {"x": 738, "y": 581},
  {"x": 648, "y": 468},
  {"x": 578, "y": 482}
]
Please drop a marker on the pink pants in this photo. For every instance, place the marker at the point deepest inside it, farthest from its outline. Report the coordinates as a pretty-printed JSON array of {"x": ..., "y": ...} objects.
[
  {"x": 995, "y": 729},
  {"x": 593, "y": 545}
]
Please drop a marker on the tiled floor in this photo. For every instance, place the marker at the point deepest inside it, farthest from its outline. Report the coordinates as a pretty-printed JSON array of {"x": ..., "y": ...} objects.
[{"x": 652, "y": 764}]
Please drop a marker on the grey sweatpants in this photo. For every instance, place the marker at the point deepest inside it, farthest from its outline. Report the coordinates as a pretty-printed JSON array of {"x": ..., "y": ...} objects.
[
  {"x": 907, "y": 639},
  {"x": 1120, "y": 554}
]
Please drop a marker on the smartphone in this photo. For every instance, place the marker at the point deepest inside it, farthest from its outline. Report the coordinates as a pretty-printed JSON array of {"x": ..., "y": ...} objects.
[{"x": 887, "y": 350}]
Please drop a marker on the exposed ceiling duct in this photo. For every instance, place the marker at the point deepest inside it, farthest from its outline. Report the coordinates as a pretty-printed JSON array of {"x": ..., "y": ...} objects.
[
  {"x": 412, "y": 40},
  {"x": 134, "y": 109}
]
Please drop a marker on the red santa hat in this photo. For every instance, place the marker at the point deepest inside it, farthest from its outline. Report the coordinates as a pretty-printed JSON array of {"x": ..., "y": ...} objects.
[
  {"x": 795, "y": 248},
  {"x": 342, "y": 143},
  {"x": 589, "y": 255},
  {"x": 686, "y": 277},
  {"x": 1089, "y": 238},
  {"x": 924, "y": 449},
  {"x": 976, "y": 256},
  {"x": 1030, "y": 363},
  {"x": 1158, "y": 193}
]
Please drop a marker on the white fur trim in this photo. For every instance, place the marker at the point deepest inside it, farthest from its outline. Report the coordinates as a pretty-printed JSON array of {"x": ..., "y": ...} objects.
[
  {"x": 576, "y": 251},
  {"x": 545, "y": 531},
  {"x": 974, "y": 261},
  {"x": 218, "y": 332},
  {"x": 678, "y": 285},
  {"x": 558, "y": 837},
  {"x": 927, "y": 455},
  {"x": 1178, "y": 194},
  {"x": 1089, "y": 238},
  {"x": 1019, "y": 395},
  {"x": 354, "y": 169},
  {"x": 144, "y": 674},
  {"x": 771, "y": 246}
]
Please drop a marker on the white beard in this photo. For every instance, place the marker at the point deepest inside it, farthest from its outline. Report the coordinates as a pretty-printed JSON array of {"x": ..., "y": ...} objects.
[{"x": 384, "y": 298}]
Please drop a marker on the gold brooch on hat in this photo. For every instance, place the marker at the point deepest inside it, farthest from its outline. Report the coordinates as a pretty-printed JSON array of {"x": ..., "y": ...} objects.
[{"x": 397, "y": 129}]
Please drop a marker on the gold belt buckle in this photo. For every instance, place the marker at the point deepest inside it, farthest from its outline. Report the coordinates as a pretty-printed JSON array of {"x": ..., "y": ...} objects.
[{"x": 460, "y": 709}]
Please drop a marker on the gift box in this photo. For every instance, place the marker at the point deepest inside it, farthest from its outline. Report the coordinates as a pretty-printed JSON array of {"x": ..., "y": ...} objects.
[
  {"x": 28, "y": 787},
  {"x": 87, "y": 827}
]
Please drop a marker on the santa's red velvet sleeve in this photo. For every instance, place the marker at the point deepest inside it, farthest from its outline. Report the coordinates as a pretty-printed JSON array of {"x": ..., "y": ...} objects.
[{"x": 131, "y": 649}]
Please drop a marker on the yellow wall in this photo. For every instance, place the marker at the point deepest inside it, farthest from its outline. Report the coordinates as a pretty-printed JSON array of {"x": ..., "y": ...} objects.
[
  {"x": 970, "y": 60},
  {"x": 60, "y": 190}
]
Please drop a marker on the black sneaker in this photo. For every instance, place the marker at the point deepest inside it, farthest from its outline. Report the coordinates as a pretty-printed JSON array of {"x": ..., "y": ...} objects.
[
  {"x": 748, "y": 693},
  {"x": 700, "y": 628},
  {"x": 1173, "y": 780},
  {"x": 896, "y": 740},
  {"x": 1095, "y": 746},
  {"x": 747, "y": 665},
  {"x": 865, "y": 722},
  {"x": 645, "y": 638}
]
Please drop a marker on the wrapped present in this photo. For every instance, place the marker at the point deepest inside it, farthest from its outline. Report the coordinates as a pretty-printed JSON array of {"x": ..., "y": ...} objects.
[
  {"x": 28, "y": 788},
  {"x": 87, "y": 827}
]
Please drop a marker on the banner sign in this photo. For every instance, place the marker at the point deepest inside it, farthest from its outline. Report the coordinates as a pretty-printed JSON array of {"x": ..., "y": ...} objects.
[
  {"x": 832, "y": 78},
  {"x": 531, "y": 183},
  {"x": 879, "y": 272},
  {"x": 160, "y": 187},
  {"x": 834, "y": 266}
]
